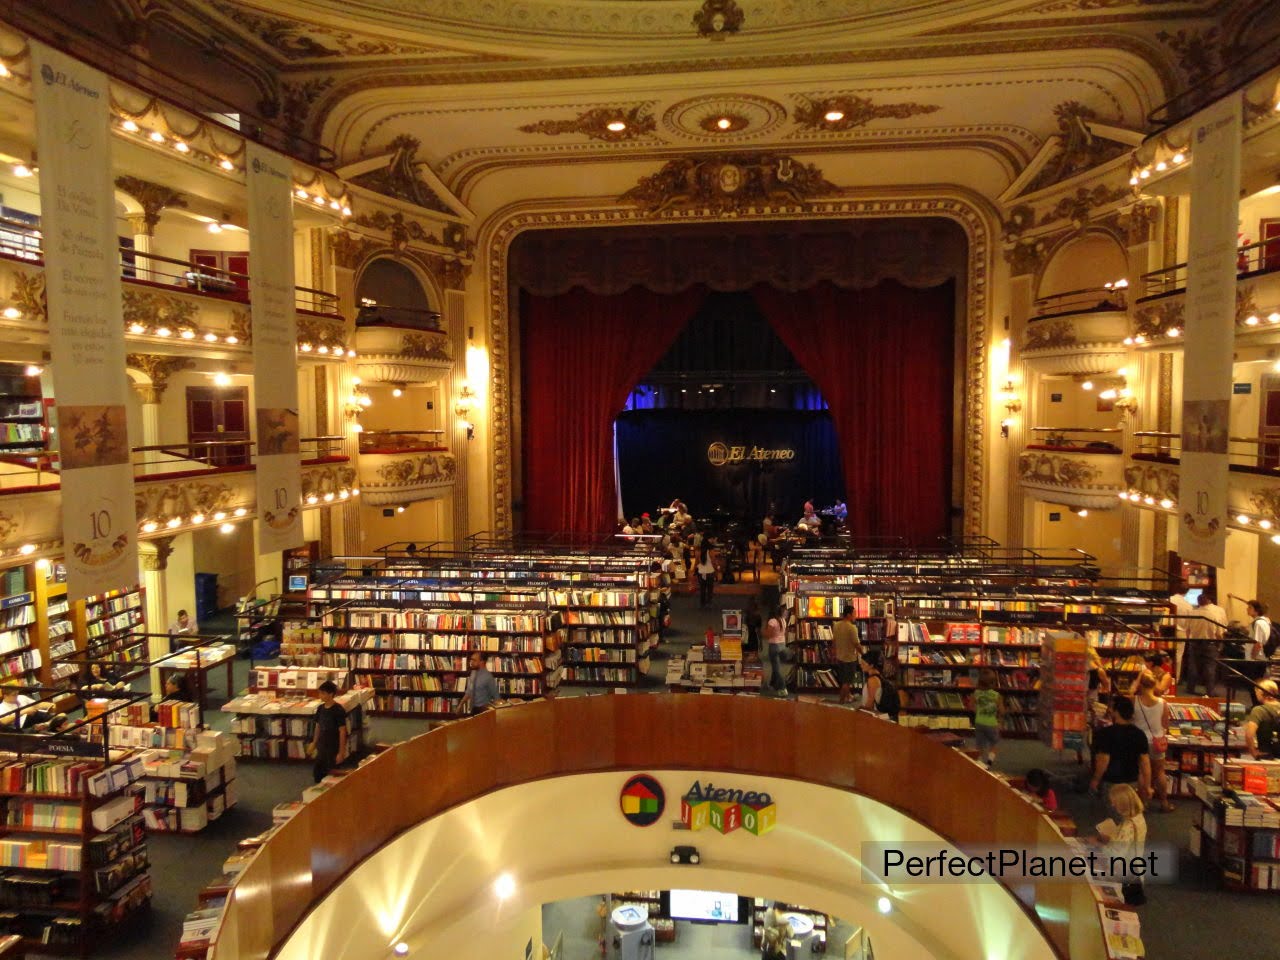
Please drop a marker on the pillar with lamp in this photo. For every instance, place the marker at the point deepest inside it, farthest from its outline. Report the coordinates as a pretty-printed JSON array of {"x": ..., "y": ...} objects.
[{"x": 462, "y": 407}]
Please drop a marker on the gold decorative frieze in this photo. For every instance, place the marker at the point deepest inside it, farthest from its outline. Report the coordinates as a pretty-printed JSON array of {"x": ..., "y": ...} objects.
[
  {"x": 350, "y": 250},
  {"x": 728, "y": 183},
  {"x": 1156, "y": 480},
  {"x": 1141, "y": 223},
  {"x": 1049, "y": 334},
  {"x": 158, "y": 370},
  {"x": 1058, "y": 470},
  {"x": 153, "y": 198},
  {"x": 1200, "y": 52},
  {"x": 296, "y": 40},
  {"x": 421, "y": 346},
  {"x": 717, "y": 19},
  {"x": 1077, "y": 209},
  {"x": 30, "y": 296},
  {"x": 610, "y": 124},
  {"x": 320, "y": 334},
  {"x": 326, "y": 483},
  {"x": 159, "y": 502},
  {"x": 1085, "y": 480},
  {"x": 1266, "y": 501},
  {"x": 1156, "y": 320},
  {"x": 849, "y": 111},
  {"x": 398, "y": 227},
  {"x": 1025, "y": 257},
  {"x": 147, "y": 312},
  {"x": 1078, "y": 148},
  {"x": 241, "y": 326},
  {"x": 1246, "y": 303},
  {"x": 400, "y": 177},
  {"x": 394, "y": 478}
]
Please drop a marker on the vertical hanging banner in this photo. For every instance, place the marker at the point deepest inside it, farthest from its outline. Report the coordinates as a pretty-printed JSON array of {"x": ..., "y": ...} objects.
[
  {"x": 275, "y": 344},
  {"x": 86, "y": 326},
  {"x": 1210, "y": 331}
]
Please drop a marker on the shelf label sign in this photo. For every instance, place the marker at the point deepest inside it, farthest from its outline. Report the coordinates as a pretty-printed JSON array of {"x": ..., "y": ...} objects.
[
  {"x": 1210, "y": 331},
  {"x": 86, "y": 324},
  {"x": 275, "y": 341},
  {"x": 726, "y": 810}
]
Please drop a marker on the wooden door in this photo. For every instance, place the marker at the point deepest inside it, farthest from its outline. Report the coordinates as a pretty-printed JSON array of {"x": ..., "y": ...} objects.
[
  {"x": 1269, "y": 421},
  {"x": 235, "y": 262},
  {"x": 219, "y": 413},
  {"x": 1269, "y": 230}
]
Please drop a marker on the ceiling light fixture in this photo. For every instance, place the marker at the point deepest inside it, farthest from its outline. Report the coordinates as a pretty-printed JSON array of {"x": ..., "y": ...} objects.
[
  {"x": 21, "y": 170},
  {"x": 128, "y": 126},
  {"x": 833, "y": 116},
  {"x": 226, "y": 164},
  {"x": 11, "y": 313},
  {"x": 181, "y": 147},
  {"x": 724, "y": 123},
  {"x": 616, "y": 126},
  {"x": 156, "y": 136},
  {"x": 33, "y": 370}
]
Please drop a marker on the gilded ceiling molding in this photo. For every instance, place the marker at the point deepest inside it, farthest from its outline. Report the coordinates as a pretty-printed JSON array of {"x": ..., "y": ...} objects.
[
  {"x": 1200, "y": 53},
  {"x": 1050, "y": 334},
  {"x": 398, "y": 227},
  {"x": 350, "y": 249},
  {"x": 142, "y": 306},
  {"x": 296, "y": 40},
  {"x": 718, "y": 19},
  {"x": 1026, "y": 257},
  {"x": 637, "y": 123},
  {"x": 728, "y": 183},
  {"x": 1020, "y": 219},
  {"x": 854, "y": 111},
  {"x": 1079, "y": 150},
  {"x": 158, "y": 369},
  {"x": 153, "y": 197},
  {"x": 399, "y": 179},
  {"x": 297, "y": 100},
  {"x": 1140, "y": 226},
  {"x": 31, "y": 296},
  {"x": 971, "y": 212},
  {"x": 1136, "y": 46},
  {"x": 1077, "y": 208}
]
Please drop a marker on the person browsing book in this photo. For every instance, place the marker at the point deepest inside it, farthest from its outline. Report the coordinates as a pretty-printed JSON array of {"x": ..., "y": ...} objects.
[
  {"x": 175, "y": 690},
  {"x": 878, "y": 695},
  {"x": 775, "y": 636},
  {"x": 1262, "y": 726},
  {"x": 1038, "y": 784},
  {"x": 482, "y": 688},
  {"x": 848, "y": 648},
  {"x": 1121, "y": 753},
  {"x": 1151, "y": 715},
  {"x": 1124, "y": 837},
  {"x": 22, "y": 714},
  {"x": 183, "y": 626},
  {"x": 329, "y": 741}
]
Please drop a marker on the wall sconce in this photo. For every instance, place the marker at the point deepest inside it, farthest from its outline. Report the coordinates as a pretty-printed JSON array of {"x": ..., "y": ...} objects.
[
  {"x": 1012, "y": 405},
  {"x": 462, "y": 405}
]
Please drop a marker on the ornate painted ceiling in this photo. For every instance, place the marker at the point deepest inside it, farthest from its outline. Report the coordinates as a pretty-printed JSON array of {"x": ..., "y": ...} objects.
[{"x": 474, "y": 95}]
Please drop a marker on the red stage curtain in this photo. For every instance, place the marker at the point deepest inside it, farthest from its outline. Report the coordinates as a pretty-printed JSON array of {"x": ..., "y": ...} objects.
[
  {"x": 582, "y": 353},
  {"x": 883, "y": 358}
]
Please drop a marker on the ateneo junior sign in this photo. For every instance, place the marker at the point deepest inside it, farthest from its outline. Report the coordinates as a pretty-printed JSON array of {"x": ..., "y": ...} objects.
[
  {"x": 705, "y": 805},
  {"x": 722, "y": 454}
]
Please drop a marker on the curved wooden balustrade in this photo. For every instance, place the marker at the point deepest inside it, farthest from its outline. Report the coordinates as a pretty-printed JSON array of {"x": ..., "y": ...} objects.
[{"x": 815, "y": 743}]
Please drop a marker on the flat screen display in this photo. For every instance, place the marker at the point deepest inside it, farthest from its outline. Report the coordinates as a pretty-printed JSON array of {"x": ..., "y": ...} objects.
[
  {"x": 1193, "y": 595},
  {"x": 705, "y": 906},
  {"x": 297, "y": 582}
]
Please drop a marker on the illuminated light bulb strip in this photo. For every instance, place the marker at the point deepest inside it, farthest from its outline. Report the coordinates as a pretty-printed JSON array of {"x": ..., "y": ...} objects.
[
  {"x": 340, "y": 205},
  {"x": 181, "y": 143},
  {"x": 221, "y": 518},
  {"x": 1157, "y": 167},
  {"x": 319, "y": 499}
]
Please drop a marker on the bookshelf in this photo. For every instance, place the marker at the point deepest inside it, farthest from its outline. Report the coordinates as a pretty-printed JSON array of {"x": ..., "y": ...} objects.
[
  {"x": 273, "y": 719},
  {"x": 189, "y": 774},
  {"x": 409, "y": 640},
  {"x": 111, "y": 627},
  {"x": 608, "y": 626},
  {"x": 1237, "y": 827},
  {"x": 814, "y": 608},
  {"x": 22, "y": 419},
  {"x": 20, "y": 655},
  {"x": 73, "y": 858}
]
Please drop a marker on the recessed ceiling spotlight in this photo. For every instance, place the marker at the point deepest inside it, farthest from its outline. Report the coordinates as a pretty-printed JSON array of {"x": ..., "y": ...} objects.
[
  {"x": 833, "y": 116},
  {"x": 724, "y": 123},
  {"x": 616, "y": 126}
]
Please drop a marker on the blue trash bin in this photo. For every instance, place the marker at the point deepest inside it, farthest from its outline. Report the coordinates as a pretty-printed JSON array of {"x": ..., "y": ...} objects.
[{"x": 206, "y": 596}]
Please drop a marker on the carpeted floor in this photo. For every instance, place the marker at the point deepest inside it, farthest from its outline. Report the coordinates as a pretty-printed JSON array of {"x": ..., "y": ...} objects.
[{"x": 1191, "y": 918}]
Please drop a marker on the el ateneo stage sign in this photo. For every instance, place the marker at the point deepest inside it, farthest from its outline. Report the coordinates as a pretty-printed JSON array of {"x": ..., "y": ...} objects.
[
  {"x": 1210, "y": 332},
  {"x": 86, "y": 327},
  {"x": 275, "y": 339}
]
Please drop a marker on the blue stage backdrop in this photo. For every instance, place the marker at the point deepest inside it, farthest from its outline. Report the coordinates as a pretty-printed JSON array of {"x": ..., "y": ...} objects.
[{"x": 744, "y": 461}]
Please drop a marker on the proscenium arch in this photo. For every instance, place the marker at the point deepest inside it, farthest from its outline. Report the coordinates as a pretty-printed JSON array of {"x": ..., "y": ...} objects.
[
  {"x": 839, "y": 755},
  {"x": 972, "y": 212}
]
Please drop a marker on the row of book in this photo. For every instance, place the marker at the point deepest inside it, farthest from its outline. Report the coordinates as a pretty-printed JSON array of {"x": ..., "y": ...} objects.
[
  {"x": 169, "y": 713},
  {"x": 599, "y": 598},
  {"x": 400, "y": 703},
  {"x": 426, "y": 682},
  {"x": 43, "y": 814},
  {"x": 14, "y": 640},
  {"x": 21, "y": 615},
  {"x": 40, "y": 854},
  {"x": 118, "y": 603},
  {"x": 66, "y": 777},
  {"x": 19, "y": 663},
  {"x": 275, "y": 748},
  {"x": 603, "y": 618},
  {"x": 435, "y": 620},
  {"x": 265, "y": 726},
  {"x": 437, "y": 642},
  {"x": 832, "y": 607},
  {"x": 593, "y": 635},
  {"x": 114, "y": 624},
  {"x": 300, "y": 679},
  {"x": 575, "y": 655},
  {"x": 603, "y": 675}
]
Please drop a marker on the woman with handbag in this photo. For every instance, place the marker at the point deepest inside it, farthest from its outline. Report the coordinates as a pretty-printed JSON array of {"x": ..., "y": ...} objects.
[{"x": 1151, "y": 716}]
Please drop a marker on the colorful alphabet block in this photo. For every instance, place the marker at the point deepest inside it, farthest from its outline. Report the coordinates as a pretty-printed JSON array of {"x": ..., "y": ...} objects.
[
  {"x": 695, "y": 813},
  {"x": 760, "y": 819},
  {"x": 726, "y": 817}
]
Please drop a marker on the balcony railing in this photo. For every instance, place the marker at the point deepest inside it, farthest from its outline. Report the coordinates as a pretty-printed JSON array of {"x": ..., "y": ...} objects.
[
  {"x": 22, "y": 241},
  {"x": 1075, "y": 439},
  {"x": 33, "y": 468},
  {"x": 320, "y": 448},
  {"x": 386, "y": 315},
  {"x": 194, "y": 455},
  {"x": 1085, "y": 300},
  {"x": 1252, "y": 259},
  {"x": 401, "y": 441},
  {"x": 1246, "y": 454}
]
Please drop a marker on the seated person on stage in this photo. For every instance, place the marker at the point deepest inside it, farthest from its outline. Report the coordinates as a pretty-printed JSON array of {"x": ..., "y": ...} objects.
[{"x": 22, "y": 714}]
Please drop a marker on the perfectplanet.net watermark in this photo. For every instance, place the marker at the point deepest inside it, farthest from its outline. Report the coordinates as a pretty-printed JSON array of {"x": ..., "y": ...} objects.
[{"x": 925, "y": 862}]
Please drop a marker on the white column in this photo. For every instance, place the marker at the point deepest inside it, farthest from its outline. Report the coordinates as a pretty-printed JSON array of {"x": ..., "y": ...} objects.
[{"x": 153, "y": 559}]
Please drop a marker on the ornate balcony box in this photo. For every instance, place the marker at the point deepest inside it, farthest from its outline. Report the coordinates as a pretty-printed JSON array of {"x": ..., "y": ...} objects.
[
  {"x": 405, "y": 476},
  {"x": 1087, "y": 342},
  {"x": 390, "y": 354},
  {"x": 1075, "y": 476}
]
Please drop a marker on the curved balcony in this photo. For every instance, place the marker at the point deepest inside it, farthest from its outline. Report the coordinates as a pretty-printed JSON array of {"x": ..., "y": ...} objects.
[
  {"x": 1253, "y": 483},
  {"x": 1066, "y": 468},
  {"x": 390, "y": 476},
  {"x": 835, "y": 777},
  {"x": 401, "y": 345},
  {"x": 1079, "y": 331}
]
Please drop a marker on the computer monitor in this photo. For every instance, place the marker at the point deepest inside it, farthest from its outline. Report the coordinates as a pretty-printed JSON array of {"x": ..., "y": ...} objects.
[{"x": 297, "y": 582}]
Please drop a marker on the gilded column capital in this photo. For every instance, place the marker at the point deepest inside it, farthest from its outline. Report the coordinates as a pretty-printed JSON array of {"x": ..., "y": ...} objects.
[{"x": 158, "y": 369}]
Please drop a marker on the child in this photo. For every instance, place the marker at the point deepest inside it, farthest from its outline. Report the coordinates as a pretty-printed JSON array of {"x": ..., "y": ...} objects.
[
  {"x": 1125, "y": 835},
  {"x": 988, "y": 710},
  {"x": 1038, "y": 784},
  {"x": 329, "y": 742}
]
